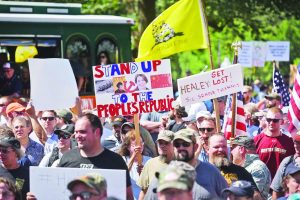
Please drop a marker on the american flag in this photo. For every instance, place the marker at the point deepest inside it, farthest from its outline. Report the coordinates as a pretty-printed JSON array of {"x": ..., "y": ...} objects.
[
  {"x": 280, "y": 88},
  {"x": 294, "y": 108},
  {"x": 240, "y": 126}
]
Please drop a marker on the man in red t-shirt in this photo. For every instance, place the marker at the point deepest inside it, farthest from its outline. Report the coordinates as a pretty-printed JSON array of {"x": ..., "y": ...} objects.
[{"x": 272, "y": 145}]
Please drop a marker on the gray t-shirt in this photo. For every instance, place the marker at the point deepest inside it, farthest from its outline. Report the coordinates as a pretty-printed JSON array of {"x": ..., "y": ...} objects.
[{"x": 210, "y": 178}]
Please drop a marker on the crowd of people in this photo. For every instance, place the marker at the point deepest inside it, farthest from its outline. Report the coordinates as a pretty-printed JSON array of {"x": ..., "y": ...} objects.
[{"x": 176, "y": 155}]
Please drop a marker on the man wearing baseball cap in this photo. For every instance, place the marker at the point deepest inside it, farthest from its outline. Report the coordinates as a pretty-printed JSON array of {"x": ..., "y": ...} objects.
[
  {"x": 10, "y": 83},
  {"x": 176, "y": 182},
  {"x": 10, "y": 153},
  {"x": 239, "y": 190},
  {"x": 165, "y": 155},
  {"x": 244, "y": 154},
  {"x": 92, "y": 187},
  {"x": 114, "y": 140},
  {"x": 64, "y": 145},
  {"x": 208, "y": 176}
]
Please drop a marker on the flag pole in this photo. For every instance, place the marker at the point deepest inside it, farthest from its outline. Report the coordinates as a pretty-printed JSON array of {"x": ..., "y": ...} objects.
[
  {"x": 216, "y": 104},
  {"x": 235, "y": 46}
]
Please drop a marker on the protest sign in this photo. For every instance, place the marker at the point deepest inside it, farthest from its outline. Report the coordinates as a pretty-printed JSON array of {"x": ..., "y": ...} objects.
[
  {"x": 245, "y": 54},
  {"x": 210, "y": 85},
  {"x": 259, "y": 53},
  {"x": 52, "y": 82},
  {"x": 278, "y": 51},
  {"x": 49, "y": 183},
  {"x": 131, "y": 88}
]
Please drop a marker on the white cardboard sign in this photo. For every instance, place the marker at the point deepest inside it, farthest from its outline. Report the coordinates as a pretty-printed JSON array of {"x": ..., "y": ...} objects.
[
  {"x": 52, "y": 82},
  {"x": 210, "y": 85},
  {"x": 278, "y": 51},
  {"x": 49, "y": 183},
  {"x": 245, "y": 54}
]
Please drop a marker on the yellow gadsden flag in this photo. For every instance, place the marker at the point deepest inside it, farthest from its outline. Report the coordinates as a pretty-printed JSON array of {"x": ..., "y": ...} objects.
[{"x": 179, "y": 28}]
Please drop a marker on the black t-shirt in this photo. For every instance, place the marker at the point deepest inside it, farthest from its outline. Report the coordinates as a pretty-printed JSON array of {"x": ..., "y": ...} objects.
[
  {"x": 105, "y": 160},
  {"x": 234, "y": 172},
  {"x": 19, "y": 176}
]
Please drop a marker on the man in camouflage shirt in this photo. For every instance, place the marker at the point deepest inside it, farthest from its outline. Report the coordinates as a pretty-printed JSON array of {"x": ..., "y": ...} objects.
[{"x": 244, "y": 154}]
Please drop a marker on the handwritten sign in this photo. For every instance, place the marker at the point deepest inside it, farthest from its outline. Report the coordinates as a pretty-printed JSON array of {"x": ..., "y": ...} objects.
[
  {"x": 135, "y": 87},
  {"x": 259, "y": 53},
  {"x": 55, "y": 180},
  {"x": 209, "y": 85},
  {"x": 278, "y": 51},
  {"x": 245, "y": 54},
  {"x": 52, "y": 82}
]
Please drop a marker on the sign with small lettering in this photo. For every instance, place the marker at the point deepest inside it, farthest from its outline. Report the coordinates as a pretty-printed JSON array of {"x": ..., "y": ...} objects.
[
  {"x": 55, "y": 180},
  {"x": 210, "y": 85},
  {"x": 278, "y": 51}
]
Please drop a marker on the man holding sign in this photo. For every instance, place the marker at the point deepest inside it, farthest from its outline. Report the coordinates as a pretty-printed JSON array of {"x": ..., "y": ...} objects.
[{"x": 90, "y": 153}]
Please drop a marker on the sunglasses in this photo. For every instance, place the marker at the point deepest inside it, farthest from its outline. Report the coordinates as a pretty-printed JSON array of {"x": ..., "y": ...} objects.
[
  {"x": 269, "y": 120},
  {"x": 162, "y": 143},
  {"x": 64, "y": 136},
  {"x": 83, "y": 195},
  {"x": 184, "y": 144},
  {"x": 208, "y": 129},
  {"x": 2, "y": 105},
  {"x": 48, "y": 118},
  {"x": 102, "y": 56}
]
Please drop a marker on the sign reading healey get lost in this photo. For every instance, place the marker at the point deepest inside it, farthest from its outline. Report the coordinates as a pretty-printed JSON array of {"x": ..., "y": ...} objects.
[
  {"x": 210, "y": 85},
  {"x": 131, "y": 88}
]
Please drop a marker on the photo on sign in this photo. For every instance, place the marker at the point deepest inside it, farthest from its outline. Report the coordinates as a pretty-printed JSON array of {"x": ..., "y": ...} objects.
[
  {"x": 104, "y": 86},
  {"x": 118, "y": 83},
  {"x": 142, "y": 82},
  {"x": 161, "y": 81}
]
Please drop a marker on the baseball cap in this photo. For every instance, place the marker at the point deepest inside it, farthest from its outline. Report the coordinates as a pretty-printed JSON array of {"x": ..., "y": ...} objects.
[
  {"x": 119, "y": 120},
  {"x": 10, "y": 142},
  {"x": 14, "y": 107},
  {"x": 245, "y": 141},
  {"x": 131, "y": 125},
  {"x": 65, "y": 114},
  {"x": 240, "y": 188},
  {"x": 186, "y": 135},
  {"x": 7, "y": 66},
  {"x": 273, "y": 95},
  {"x": 203, "y": 113},
  {"x": 93, "y": 181},
  {"x": 291, "y": 169},
  {"x": 66, "y": 128},
  {"x": 175, "y": 176},
  {"x": 165, "y": 135}
]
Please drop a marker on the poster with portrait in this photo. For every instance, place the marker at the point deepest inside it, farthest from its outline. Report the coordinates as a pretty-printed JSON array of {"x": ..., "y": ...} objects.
[{"x": 135, "y": 87}]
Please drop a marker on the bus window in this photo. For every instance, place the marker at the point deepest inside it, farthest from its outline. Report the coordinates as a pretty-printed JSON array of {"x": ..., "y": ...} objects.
[
  {"x": 109, "y": 48},
  {"x": 78, "y": 52}
]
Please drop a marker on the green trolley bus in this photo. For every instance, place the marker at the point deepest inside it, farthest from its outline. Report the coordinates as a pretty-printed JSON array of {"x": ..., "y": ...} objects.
[{"x": 59, "y": 30}]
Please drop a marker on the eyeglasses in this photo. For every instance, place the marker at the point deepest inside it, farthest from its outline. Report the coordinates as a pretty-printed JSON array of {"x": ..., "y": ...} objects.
[
  {"x": 64, "y": 136},
  {"x": 208, "y": 129},
  {"x": 5, "y": 150},
  {"x": 269, "y": 120},
  {"x": 48, "y": 118},
  {"x": 184, "y": 144},
  {"x": 83, "y": 195}
]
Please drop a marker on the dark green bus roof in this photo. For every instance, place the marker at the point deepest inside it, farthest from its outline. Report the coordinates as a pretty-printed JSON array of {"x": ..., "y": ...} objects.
[{"x": 40, "y": 7}]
